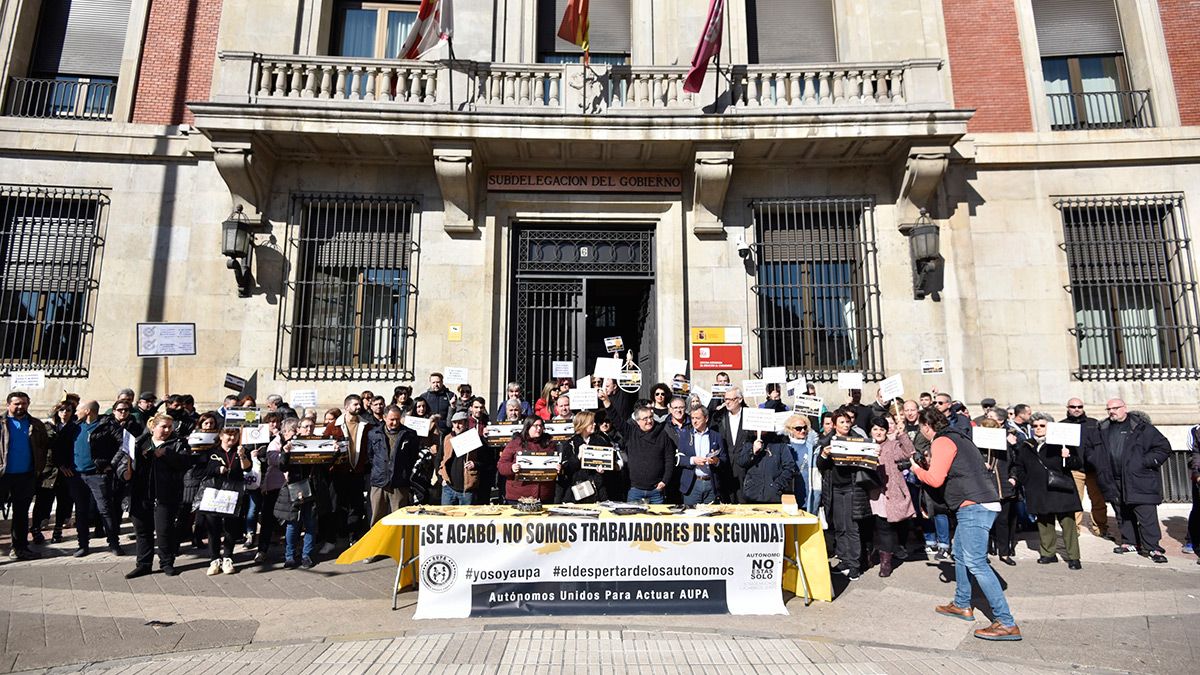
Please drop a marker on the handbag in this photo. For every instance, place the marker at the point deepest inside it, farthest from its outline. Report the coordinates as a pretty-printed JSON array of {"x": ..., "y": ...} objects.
[
  {"x": 300, "y": 492},
  {"x": 1055, "y": 480}
]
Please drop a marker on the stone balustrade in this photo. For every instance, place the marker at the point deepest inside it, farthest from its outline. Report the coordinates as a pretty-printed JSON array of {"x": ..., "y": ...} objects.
[{"x": 599, "y": 89}]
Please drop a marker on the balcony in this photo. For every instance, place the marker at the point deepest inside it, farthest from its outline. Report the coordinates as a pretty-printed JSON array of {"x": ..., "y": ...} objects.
[
  {"x": 1101, "y": 110},
  {"x": 60, "y": 99}
]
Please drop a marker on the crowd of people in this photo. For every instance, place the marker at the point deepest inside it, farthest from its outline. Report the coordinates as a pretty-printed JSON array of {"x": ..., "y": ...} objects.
[{"x": 933, "y": 488}]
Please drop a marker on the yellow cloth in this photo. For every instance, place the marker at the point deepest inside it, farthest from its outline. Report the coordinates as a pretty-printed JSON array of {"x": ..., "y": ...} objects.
[{"x": 397, "y": 536}]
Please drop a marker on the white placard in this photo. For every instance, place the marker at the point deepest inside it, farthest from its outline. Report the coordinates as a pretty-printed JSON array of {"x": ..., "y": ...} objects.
[
  {"x": 166, "y": 339},
  {"x": 466, "y": 442},
  {"x": 933, "y": 366},
  {"x": 703, "y": 395},
  {"x": 751, "y": 388},
  {"x": 456, "y": 375},
  {"x": 850, "y": 381},
  {"x": 256, "y": 435},
  {"x": 418, "y": 424},
  {"x": 1063, "y": 433},
  {"x": 797, "y": 387},
  {"x": 989, "y": 439},
  {"x": 224, "y": 502},
  {"x": 24, "y": 380},
  {"x": 809, "y": 405},
  {"x": 562, "y": 369},
  {"x": 781, "y": 419},
  {"x": 596, "y": 457},
  {"x": 759, "y": 419},
  {"x": 891, "y": 388},
  {"x": 583, "y": 399},
  {"x": 202, "y": 439},
  {"x": 675, "y": 367},
  {"x": 303, "y": 398},
  {"x": 609, "y": 369},
  {"x": 127, "y": 443},
  {"x": 775, "y": 375}
]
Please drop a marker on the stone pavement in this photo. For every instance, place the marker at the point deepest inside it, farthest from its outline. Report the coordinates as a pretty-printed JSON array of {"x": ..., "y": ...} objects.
[{"x": 1119, "y": 612}]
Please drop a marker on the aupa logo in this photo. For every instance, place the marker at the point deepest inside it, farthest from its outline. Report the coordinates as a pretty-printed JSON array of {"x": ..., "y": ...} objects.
[{"x": 438, "y": 573}]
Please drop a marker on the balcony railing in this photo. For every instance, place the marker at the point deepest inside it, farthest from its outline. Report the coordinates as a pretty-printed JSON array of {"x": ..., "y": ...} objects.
[
  {"x": 571, "y": 88},
  {"x": 1101, "y": 110},
  {"x": 60, "y": 99}
]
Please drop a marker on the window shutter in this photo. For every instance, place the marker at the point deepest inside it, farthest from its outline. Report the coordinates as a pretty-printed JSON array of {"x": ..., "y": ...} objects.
[
  {"x": 608, "y": 32},
  {"x": 81, "y": 37},
  {"x": 791, "y": 31},
  {"x": 1077, "y": 27}
]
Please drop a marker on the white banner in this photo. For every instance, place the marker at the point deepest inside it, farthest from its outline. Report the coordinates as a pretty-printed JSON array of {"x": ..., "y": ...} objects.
[{"x": 481, "y": 567}]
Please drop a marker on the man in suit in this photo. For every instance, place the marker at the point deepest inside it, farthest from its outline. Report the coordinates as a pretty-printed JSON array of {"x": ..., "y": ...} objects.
[
  {"x": 733, "y": 437},
  {"x": 701, "y": 450}
]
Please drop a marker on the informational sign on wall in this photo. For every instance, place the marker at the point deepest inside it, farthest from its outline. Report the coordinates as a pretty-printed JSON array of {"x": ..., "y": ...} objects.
[{"x": 166, "y": 339}]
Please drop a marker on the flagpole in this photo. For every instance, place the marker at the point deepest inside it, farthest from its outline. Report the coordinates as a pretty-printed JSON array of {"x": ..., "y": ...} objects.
[{"x": 450, "y": 44}]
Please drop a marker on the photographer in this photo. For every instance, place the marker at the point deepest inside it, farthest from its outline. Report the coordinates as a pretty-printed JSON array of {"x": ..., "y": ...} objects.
[{"x": 956, "y": 463}]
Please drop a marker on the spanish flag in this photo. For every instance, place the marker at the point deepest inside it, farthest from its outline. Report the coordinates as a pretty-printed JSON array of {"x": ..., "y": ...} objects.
[{"x": 574, "y": 26}]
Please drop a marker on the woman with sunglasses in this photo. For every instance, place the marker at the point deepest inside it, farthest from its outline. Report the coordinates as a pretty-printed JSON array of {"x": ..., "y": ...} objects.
[
  {"x": 1044, "y": 470},
  {"x": 802, "y": 440},
  {"x": 660, "y": 400},
  {"x": 544, "y": 408}
]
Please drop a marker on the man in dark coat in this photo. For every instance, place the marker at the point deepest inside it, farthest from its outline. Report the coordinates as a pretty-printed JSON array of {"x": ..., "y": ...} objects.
[
  {"x": 1127, "y": 452},
  {"x": 734, "y": 436},
  {"x": 1085, "y": 478},
  {"x": 393, "y": 451},
  {"x": 770, "y": 469}
]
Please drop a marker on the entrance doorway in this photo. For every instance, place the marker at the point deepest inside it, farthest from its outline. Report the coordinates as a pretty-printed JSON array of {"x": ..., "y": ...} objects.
[{"x": 573, "y": 288}]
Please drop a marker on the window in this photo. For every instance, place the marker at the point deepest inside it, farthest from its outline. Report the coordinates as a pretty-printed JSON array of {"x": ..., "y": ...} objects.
[
  {"x": 1083, "y": 66},
  {"x": 817, "y": 286},
  {"x": 353, "y": 292},
  {"x": 1132, "y": 286},
  {"x": 608, "y": 33},
  {"x": 790, "y": 31},
  {"x": 48, "y": 243},
  {"x": 373, "y": 30}
]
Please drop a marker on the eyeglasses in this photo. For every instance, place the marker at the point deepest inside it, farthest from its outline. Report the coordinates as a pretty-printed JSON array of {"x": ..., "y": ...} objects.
[
  {"x": 645, "y": 419},
  {"x": 942, "y": 402},
  {"x": 1116, "y": 407},
  {"x": 1038, "y": 426},
  {"x": 120, "y": 409},
  {"x": 659, "y": 393},
  {"x": 1075, "y": 407},
  {"x": 798, "y": 428},
  {"x": 733, "y": 398}
]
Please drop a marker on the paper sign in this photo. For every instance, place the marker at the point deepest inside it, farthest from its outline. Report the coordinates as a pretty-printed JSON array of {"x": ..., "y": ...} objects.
[
  {"x": 595, "y": 457},
  {"x": 24, "y": 380},
  {"x": 583, "y": 399},
  {"x": 933, "y": 366},
  {"x": 234, "y": 382},
  {"x": 242, "y": 417},
  {"x": 614, "y": 344},
  {"x": 256, "y": 435},
  {"x": 609, "y": 369},
  {"x": 675, "y": 367},
  {"x": 989, "y": 439},
  {"x": 202, "y": 439},
  {"x": 466, "y": 442},
  {"x": 759, "y": 419},
  {"x": 213, "y": 500},
  {"x": 456, "y": 375},
  {"x": 850, "y": 381},
  {"x": 1062, "y": 433},
  {"x": 891, "y": 388},
  {"x": 809, "y": 405},
  {"x": 797, "y": 387},
  {"x": 862, "y": 454},
  {"x": 562, "y": 369},
  {"x": 703, "y": 395},
  {"x": 781, "y": 419},
  {"x": 418, "y": 424},
  {"x": 720, "y": 388},
  {"x": 127, "y": 443},
  {"x": 303, "y": 398},
  {"x": 775, "y": 375},
  {"x": 166, "y": 339},
  {"x": 754, "y": 388}
]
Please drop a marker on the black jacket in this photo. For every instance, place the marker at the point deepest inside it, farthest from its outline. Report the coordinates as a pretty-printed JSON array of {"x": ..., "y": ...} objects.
[
  {"x": 607, "y": 484},
  {"x": 1089, "y": 427},
  {"x": 1136, "y": 477},
  {"x": 859, "y": 482},
  {"x": 387, "y": 470},
  {"x": 158, "y": 479},
  {"x": 651, "y": 455},
  {"x": 769, "y": 473},
  {"x": 1030, "y": 467},
  {"x": 106, "y": 438}
]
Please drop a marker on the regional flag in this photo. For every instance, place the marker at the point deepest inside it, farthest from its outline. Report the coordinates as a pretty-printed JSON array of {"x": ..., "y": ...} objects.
[
  {"x": 710, "y": 44},
  {"x": 574, "y": 26},
  {"x": 435, "y": 22}
]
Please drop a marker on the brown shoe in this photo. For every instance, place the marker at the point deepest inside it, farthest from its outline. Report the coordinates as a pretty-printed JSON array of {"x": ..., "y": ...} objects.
[
  {"x": 998, "y": 632},
  {"x": 951, "y": 609}
]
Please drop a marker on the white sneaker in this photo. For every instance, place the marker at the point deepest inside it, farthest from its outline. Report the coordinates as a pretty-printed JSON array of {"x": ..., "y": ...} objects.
[
  {"x": 214, "y": 568},
  {"x": 227, "y": 566}
]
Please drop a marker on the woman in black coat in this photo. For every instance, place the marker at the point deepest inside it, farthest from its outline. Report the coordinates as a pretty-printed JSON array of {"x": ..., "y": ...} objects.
[
  {"x": 604, "y": 484},
  {"x": 1036, "y": 460},
  {"x": 225, "y": 465},
  {"x": 999, "y": 466},
  {"x": 155, "y": 478},
  {"x": 845, "y": 495}
]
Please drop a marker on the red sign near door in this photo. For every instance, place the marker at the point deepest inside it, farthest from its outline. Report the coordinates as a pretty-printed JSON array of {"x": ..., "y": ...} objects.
[{"x": 716, "y": 357}]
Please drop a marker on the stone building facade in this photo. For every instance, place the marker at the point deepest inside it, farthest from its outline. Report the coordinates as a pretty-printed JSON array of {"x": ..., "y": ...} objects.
[{"x": 407, "y": 217}]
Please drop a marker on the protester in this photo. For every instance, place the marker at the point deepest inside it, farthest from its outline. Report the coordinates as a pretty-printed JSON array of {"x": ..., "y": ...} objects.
[
  {"x": 52, "y": 486},
  {"x": 650, "y": 450},
  {"x": 513, "y": 392},
  {"x": 532, "y": 439},
  {"x": 439, "y": 400},
  {"x": 402, "y": 398},
  {"x": 999, "y": 466},
  {"x": 23, "y": 447},
  {"x": 802, "y": 441},
  {"x": 774, "y": 399},
  {"x": 348, "y": 480},
  {"x": 892, "y": 506},
  {"x": 460, "y": 474},
  {"x": 271, "y": 483},
  {"x": 93, "y": 480},
  {"x": 769, "y": 469},
  {"x": 1085, "y": 477},
  {"x": 701, "y": 450},
  {"x": 579, "y": 485},
  {"x": 956, "y": 463},
  {"x": 225, "y": 469},
  {"x": 678, "y": 421},
  {"x": 734, "y": 436},
  {"x": 544, "y": 407},
  {"x": 187, "y": 526},
  {"x": 846, "y": 497},
  {"x": 1193, "y": 444},
  {"x": 155, "y": 477},
  {"x": 392, "y": 450},
  {"x": 301, "y": 503},
  {"x": 146, "y": 407},
  {"x": 1042, "y": 469},
  {"x": 1127, "y": 451},
  {"x": 512, "y": 411},
  {"x": 660, "y": 398},
  {"x": 562, "y": 409}
]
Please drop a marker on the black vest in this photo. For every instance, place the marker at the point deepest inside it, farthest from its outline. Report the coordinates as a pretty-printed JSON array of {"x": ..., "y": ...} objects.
[{"x": 968, "y": 479}]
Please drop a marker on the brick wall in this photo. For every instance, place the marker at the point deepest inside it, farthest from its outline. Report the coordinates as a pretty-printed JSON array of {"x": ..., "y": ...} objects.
[
  {"x": 1181, "y": 23},
  {"x": 177, "y": 59},
  {"x": 986, "y": 64}
]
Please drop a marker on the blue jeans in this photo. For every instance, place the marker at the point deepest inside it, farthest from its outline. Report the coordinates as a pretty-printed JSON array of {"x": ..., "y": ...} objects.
[
  {"x": 651, "y": 496},
  {"x": 306, "y": 520},
  {"x": 970, "y": 556},
  {"x": 452, "y": 497},
  {"x": 98, "y": 493},
  {"x": 255, "y": 498},
  {"x": 702, "y": 493}
]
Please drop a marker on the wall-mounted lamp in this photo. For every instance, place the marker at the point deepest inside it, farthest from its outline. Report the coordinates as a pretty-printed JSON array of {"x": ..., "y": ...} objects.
[
  {"x": 236, "y": 238},
  {"x": 928, "y": 264}
]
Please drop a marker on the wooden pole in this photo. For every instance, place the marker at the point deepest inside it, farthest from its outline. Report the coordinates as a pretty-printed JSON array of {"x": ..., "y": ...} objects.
[{"x": 166, "y": 376}]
